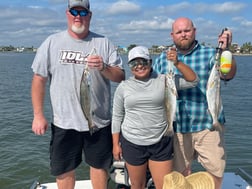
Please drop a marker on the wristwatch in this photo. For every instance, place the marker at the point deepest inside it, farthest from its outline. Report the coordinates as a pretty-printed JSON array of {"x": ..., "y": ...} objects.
[{"x": 104, "y": 66}]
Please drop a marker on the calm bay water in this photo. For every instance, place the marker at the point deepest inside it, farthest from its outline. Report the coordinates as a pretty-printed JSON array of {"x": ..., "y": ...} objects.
[{"x": 24, "y": 157}]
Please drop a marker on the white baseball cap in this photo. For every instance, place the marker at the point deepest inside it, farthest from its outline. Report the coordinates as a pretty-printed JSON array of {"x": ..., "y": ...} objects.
[{"x": 139, "y": 52}]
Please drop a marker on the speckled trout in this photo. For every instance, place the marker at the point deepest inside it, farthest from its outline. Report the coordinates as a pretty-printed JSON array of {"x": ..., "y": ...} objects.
[
  {"x": 213, "y": 89},
  {"x": 213, "y": 96},
  {"x": 86, "y": 98},
  {"x": 170, "y": 98}
]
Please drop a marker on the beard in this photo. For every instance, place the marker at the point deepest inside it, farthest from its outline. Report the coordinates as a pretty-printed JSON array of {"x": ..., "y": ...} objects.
[
  {"x": 185, "y": 44},
  {"x": 78, "y": 30}
]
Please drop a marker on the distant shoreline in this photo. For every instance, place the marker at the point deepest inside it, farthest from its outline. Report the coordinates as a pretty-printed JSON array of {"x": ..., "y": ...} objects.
[
  {"x": 122, "y": 53},
  {"x": 235, "y": 54}
]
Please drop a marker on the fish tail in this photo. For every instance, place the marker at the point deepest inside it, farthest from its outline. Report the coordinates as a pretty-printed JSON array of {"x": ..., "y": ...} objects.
[
  {"x": 93, "y": 129},
  {"x": 218, "y": 126},
  {"x": 169, "y": 130}
]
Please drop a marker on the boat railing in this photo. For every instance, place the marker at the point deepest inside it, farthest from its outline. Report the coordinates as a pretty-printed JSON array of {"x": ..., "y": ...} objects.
[{"x": 245, "y": 175}]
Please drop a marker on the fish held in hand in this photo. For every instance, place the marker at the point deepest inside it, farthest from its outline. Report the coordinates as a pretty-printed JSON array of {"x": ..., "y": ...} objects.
[
  {"x": 86, "y": 99},
  {"x": 170, "y": 100},
  {"x": 214, "y": 97}
]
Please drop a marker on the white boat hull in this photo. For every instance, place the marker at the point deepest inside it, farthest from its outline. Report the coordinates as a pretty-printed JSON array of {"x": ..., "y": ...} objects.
[
  {"x": 81, "y": 184},
  {"x": 119, "y": 175},
  {"x": 231, "y": 181}
]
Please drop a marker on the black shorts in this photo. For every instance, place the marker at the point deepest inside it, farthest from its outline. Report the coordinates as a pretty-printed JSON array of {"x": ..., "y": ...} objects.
[
  {"x": 140, "y": 154},
  {"x": 66, "y": 149}
]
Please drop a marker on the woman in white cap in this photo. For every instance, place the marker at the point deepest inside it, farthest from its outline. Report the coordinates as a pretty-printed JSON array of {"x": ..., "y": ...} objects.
[{"x": 139, "y": 119}]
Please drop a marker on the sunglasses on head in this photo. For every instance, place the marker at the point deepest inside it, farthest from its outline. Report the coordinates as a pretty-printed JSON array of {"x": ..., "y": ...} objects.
[
  {"x": 142, "y": 62},
  {"x": 75, "y": 12}
]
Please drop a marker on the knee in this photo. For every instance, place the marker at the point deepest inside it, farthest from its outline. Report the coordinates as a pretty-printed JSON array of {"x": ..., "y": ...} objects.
[{"x": 69, "y": 174}]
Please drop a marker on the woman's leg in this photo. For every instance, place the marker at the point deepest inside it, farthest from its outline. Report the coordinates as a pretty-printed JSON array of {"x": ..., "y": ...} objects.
[
  {"x": 158, "y": 170},
  {"x": 137, "y": 175}
]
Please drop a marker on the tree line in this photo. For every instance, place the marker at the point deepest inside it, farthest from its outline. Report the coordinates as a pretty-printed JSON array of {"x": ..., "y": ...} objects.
[{"x": 246, "y": 48}]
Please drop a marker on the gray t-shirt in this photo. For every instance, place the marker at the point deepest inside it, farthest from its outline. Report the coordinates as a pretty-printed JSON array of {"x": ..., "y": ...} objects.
[
  {"x": 139, "y": 108},
  {"x": 61, "y": 59}
]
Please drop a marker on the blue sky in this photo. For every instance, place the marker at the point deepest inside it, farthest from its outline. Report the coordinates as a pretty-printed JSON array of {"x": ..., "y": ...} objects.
[{"x": 125, "y": 22}]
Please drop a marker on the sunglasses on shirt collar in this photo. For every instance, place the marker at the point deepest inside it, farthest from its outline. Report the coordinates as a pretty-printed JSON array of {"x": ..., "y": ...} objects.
[
  {"x": 75, "y": 12},
  {"x": 143, "y": 62}
]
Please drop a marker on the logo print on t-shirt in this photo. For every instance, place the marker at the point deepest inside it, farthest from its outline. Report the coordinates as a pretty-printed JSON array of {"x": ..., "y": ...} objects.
[{"x": 72, "y": 57}]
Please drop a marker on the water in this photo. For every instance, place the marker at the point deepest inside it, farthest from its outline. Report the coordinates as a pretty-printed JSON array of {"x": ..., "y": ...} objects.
[{"x": 24, "y": 157}]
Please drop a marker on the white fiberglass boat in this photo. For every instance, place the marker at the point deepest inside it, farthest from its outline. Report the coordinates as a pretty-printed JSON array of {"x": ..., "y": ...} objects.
[{"x": 232, "y": 180}]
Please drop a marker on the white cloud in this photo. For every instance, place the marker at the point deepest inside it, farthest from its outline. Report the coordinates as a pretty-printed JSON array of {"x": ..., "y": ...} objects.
[
  {"x": 228, "y": 7},
  {"x": 180, "y": 6},
  {"x": 199, "y": 8},
  {"x": 122, "y": 7},
  {"x": 144, "y": 25},
  {"x": 244, "y": 22}
]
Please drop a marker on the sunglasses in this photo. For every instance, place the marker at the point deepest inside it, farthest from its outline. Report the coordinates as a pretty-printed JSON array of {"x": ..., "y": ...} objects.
[
  {"x": 143, "y": 62},
  {"x": 75, "y": 12}
]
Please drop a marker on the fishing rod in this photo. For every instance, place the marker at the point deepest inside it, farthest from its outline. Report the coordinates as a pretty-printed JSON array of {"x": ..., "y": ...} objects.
[{"x": 219, "y": 50}]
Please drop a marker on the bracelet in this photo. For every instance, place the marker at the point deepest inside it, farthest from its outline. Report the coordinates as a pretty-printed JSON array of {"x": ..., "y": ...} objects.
[{"x": 104, "y": 66}]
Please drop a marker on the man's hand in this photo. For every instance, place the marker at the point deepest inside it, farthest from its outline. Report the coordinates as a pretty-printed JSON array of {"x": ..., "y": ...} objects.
[{"x": 226, "y": 38}]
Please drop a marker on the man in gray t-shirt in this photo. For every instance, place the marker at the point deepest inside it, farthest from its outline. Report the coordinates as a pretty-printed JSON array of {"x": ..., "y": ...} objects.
[{"x": 62, "y": 58}]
